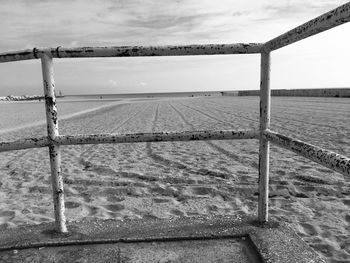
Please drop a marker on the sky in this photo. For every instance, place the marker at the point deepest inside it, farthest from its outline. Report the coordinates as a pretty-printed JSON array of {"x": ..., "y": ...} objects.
[{"x": 317, "y": 62}]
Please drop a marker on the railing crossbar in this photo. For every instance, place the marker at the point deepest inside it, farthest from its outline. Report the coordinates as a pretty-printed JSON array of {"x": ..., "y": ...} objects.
[
  {"x": 129, "y": 138},
  {"x": 22, "y": 144},
  {"x": 133, "y": 51},
  {"x": 329, "y": 159},
  {"x": 158, "y": 137}
]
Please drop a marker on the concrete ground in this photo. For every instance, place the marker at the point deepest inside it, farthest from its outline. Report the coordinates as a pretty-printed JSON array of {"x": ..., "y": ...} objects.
[{"x": 201, "y": 239}]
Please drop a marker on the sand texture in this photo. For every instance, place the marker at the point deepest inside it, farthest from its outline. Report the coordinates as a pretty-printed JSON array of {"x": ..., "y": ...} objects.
[{"x": 175, "y": 179}]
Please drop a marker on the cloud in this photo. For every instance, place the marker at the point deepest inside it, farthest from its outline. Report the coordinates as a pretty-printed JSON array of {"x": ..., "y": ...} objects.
[
  {"x": 237, "y": 13},
  {"x": 73, "y": 43},
  {"x": 144, "y": 22},
  {"x": 142, "y": 84},
  {"x": 113, "y": 82},
  {"x": 279, "y": 10},
  {"x": 166, "y": 21}
]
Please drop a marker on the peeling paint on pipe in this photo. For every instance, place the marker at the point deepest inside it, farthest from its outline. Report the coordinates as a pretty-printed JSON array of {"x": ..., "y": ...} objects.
[
  {"x": 331, "y": 160},
  {"x": 136, "y": 51},
  {"x": 128, "y": 138},
  {"x": 156, "y": 137},
  {"x": 54, "y": 149},
  {"x": 264, "y": 147},
  {"x": 18, "y": 55},
  {"x": 24, "y": 144},
  {"x": 132, "y": 51},
  {"x": 333, "y": 18}
]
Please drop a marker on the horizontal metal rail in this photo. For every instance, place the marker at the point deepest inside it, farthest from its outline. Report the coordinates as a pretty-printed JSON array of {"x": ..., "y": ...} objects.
[
  {"x": 324, "y": 157},
  {"x": 156, "y": 137},
  {"x": 132, "y": 51},
  {"x": 24, "y": 144},
  {"x": 333, "y": 18},
  {"x": 128, "y": 138}
]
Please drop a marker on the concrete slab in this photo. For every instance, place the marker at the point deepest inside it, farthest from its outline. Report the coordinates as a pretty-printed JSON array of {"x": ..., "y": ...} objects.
[
  {"x": 201, "y": 239},
  {"x": 228, "y": 250}
]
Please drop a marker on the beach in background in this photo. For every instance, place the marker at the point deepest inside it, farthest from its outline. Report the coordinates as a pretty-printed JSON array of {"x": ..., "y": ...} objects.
[{"x": 172, "y": 179}]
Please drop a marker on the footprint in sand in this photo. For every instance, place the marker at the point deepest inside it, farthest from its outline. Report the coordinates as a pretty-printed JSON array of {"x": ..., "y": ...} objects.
[
  {"x": 202, "y": 190},
  {"x": 242, "y": 172},
  {"x": 6, "y": 216},
  {"x": 71, "y": 205},
  {"x": 160, "y": 200},
  {"x": 283, "y": 182},
  {"x": 309, "y": 229},
  {"x": 91, "y": 210},
  {"x": 213, "y": 208},
  {"x": 322, "y": 170},
  {"x": 326, "y": 234},
  {"x": 115, "y": 207},
  {"x": 165, "y": 191},
  {"x": 40, "y": 189},
  {"x": 347, "y": 218},
  {"x": 193, "y": 213},
  {"x": 326, "y": 249},
  {"x": 279, "y": 193},
  {"x": 115, "y": 198},
  {"x": 177, "y": 212},
  {"x": 305, "y": 166},
  {"x": 346, "y": 202},
  {"x": 280, "y": 172}
]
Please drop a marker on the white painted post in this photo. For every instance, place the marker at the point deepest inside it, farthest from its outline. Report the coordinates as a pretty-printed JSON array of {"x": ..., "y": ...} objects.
[
  {"x": 265, "y": 97},
  {"x": 54, "y": 149}
]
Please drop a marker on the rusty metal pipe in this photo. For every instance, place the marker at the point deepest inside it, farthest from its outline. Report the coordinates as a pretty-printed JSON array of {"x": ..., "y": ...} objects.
[
  {"x": 321, "y": 156},
  {"x": 19, "y": 55},
  {"x": 136, "y": 51},
  {"x": 128, "y": 138},
  {"x": 333, "y": 18},
  {"x": 264, "y": 147},
  {"x": 156, "y": 137},
  {"x": 132, "y": 51},
  {"x": 24, "y": 144},
  {"x": 54, "y": 149}
]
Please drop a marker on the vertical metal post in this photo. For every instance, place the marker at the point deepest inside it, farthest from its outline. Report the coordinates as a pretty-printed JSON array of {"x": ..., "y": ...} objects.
[
  {"x": 54, "y": 149},
  {"x": 265, "y": 97}
]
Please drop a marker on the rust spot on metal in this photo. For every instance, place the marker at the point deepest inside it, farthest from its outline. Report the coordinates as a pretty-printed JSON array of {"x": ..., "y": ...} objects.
[
  {"x": 72, "y": 52},
  {"x": 35, "y": 53},
  {"x": 57, "y": 51},
  {"x": 48, "y": 99},
  {"x": 22, "y": 54}
]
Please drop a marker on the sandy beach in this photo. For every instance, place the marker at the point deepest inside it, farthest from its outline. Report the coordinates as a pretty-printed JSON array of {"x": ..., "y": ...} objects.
[{"x": 163, "y": 180}]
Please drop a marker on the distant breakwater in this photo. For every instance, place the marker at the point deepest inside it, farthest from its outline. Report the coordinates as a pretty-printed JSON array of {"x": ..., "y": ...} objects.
[
  {"x": 24, "y": 98},
  {"x": 20, "y": 98},
  {"x": 340, "y": 93}
]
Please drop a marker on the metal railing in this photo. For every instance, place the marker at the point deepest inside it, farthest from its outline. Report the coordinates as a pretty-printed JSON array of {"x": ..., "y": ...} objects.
[{"x": 329, "y": 159}]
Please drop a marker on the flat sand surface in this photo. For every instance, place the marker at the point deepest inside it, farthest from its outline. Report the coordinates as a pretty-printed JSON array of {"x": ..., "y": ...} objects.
[{"x": 176, "y": 179}]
